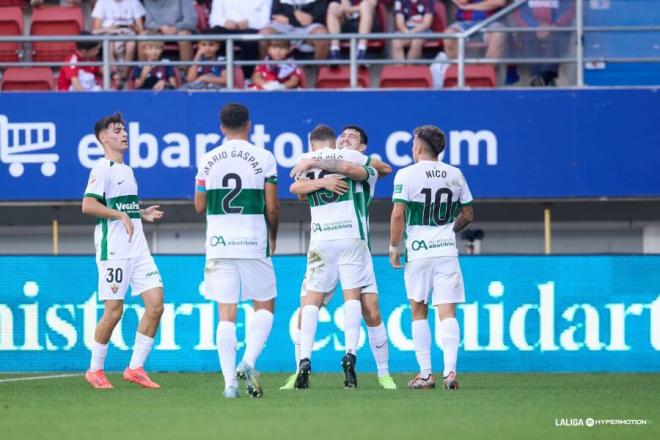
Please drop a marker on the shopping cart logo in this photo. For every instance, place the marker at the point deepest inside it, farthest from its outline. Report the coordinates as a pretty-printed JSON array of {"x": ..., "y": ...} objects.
[{"x": 22, "y": 143}]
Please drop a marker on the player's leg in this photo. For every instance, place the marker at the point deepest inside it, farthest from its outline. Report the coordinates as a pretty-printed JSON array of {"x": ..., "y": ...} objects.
[
  {"x": 418, "y": 280},
  {"x": 222, "y": 284},
  {"x": 291, "y": 380},
  {"x": 258, "y": 284},
  {"x": 112, "y": 286},
  {"x": 352, "y": 321},
  {"x": 146, "y": 283},
  {"x": 309, "y": 320},
  {"x": 377, "y": 335},
  {"x": 448, "y": 290},
  {"x": 112, "y": 311}
]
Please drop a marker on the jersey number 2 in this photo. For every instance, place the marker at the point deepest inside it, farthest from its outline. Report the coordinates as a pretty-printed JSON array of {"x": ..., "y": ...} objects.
[{"x": 231, "y": 195}]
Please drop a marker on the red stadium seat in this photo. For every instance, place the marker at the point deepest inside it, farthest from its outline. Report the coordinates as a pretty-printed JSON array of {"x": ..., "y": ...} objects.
[
  {"x": 55, "y": 21},
  {"x": 202, "y": 16},
  {"x": 380, "y": 15},
  {"x": 399, "y": 77},
  {"x": 340, "y": 78},
  {"x": 439, "y": 25},
  {"x": 11, "y": 23},
  {"x": 28, "y": 78},
  {"x": 19, "y": 3},
  {"x": 475, "y": 76}
]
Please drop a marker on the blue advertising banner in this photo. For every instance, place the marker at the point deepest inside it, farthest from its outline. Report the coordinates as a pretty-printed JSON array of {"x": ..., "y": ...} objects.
[
  {"x": 510, "y": 144},
  {"x": 582, "y": 313}
]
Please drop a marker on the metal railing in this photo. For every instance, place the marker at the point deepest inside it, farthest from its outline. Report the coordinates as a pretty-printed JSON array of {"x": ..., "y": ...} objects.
[{"x": 461, "y": 61}]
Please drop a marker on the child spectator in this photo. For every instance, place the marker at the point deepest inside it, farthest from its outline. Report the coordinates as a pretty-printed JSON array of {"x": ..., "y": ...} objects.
[
  {"x": 81, "y": 78},
  {"x": 280, "y": 76},
  {"x": 206, "y": 76},
  {"x": 118, "y": 17},
  {"x": 151, "y": 77},
  {"x": 411, "y": 17},
  {"x": 351, "y": 16}
]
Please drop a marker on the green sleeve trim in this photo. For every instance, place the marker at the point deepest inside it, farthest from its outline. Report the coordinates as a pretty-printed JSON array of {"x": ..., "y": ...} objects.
[
  {"x": 272, "y": 180},
  {"x": 368, "y": 161},
  {"x": 400, "y": 201},
  {"x": 95, "y": 196}
]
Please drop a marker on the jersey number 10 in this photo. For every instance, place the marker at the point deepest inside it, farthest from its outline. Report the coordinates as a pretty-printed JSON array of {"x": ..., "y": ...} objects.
[{"x": 435, "y": 208}]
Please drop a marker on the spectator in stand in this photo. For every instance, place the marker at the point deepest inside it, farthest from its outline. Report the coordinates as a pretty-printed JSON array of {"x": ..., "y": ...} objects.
[
  {"x": 37, "y": 3},
  {"x": 280, "y": 76},
  {"x": 81, "y": 78},
  {"x": 201, "y": 77},
  {"x": 152, "y": 77},
  {"x": 241, "y": 17},
  {"x": 544, "y": 43},
  {"x": 348, "y": 17},
  {"x": 300, "y": 17},
  {"x": 411, "y": 17},
  {"x": 468, "y": 14},
  {"x": 172, "y": 17},
  {"x": 118, "y": 17}
]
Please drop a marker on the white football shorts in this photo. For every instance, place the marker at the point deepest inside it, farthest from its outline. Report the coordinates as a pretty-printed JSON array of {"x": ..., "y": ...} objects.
[
  {"x": 440, "y": 276},
  {"x": 347, "y": 261},
  {"x": 115, "y": 276},
  {"x": 231, "y": 280}
]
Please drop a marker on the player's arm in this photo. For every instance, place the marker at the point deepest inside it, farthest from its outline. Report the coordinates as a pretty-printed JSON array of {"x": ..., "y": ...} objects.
[
  {"x": 272, "y": 213},
  {"x": 383, "y": 168},
  {"x": 200, "y": 196},
  {"x": 464, "y": 218},
  {"x": 396, "y": 232},
  {"x": 302, "y": 187},
  {"x": 92, "y": 206},
  {"x": 339, "y": 166},
  {"x": 151, "y": 213}
]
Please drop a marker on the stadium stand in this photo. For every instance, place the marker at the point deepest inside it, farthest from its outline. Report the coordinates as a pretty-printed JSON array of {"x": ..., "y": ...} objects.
[
  {"x": 28, "y": 79},
  {"x": 19, "y": 3},
  {"x": 340, "y": 78},
  {"x": 401, "y": 77},
  {"x": 55, "y": 21},
  {"x": 439, "y": 25},
  {"x": 477, "y": 76},
  {"x": 375, "y": 46},
  {"x": 11, "y": 23}
]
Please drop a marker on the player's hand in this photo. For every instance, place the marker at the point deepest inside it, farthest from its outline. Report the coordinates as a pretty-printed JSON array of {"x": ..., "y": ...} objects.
[
  {"x": 152, "y": 213},
  {"x": 128, "y": 225},
  {"x": 395, "y": 260},
  {"x": 302, "y": 166},
  {"x": 335, "y": 184}
]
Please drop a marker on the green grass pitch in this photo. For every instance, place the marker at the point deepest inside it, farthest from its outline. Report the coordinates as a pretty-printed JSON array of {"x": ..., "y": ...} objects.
[{"x": 191, "y": 406}]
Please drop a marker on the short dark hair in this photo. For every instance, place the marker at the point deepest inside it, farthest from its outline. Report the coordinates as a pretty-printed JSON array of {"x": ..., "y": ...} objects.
[
  {"x": 322, "y": 133},
  {"x": 363, "y": 134},
  {"x": 434, "y": 139},
  {"x": 280, "y": 43},
  {"x": 104, "y": 123},
  {"x": 234, "y": 116},
  {"x": 88, "y": 44}
]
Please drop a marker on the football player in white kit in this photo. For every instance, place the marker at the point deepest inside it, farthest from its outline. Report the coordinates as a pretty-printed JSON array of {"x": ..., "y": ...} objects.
[
  {"x": 432, "y": 202},
  {"x": 237, "y": 188},
  {"x": 122, "y": 255}
]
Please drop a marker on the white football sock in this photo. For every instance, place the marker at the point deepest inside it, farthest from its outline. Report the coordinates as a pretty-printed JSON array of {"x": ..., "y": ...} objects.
[
  {"x": 352, "y": 320},
  {"x": 378, "y": 344},
  {"x": 421, "y": 333},
  {"x": 257, "y": 335},
  {"x": 99, "y": 352},
  {"x": 362, "y": 46},
  {"x": 141, "y": 350},
  {"x": 225, "y": 337},
  {"x": 296, "y": 346},
  {"x": 451, "y": 335},
  {"x": 308, "y": 324}
]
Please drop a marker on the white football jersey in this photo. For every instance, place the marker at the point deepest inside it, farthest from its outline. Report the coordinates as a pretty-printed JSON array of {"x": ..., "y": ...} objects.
[
  {"x": 334, "y": 216},
  {"x": 114, "y": 185},
  {"x": 234, "y": 176},
  {"x": 433, "y": 193}
]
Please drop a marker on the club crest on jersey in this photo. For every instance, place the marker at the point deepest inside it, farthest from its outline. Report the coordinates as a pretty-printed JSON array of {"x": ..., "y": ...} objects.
[{"x": 114, "y": 288}]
